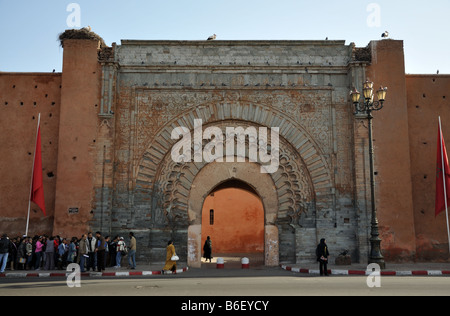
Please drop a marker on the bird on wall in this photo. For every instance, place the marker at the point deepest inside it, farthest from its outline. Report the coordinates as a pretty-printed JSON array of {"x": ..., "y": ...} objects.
[
  {"x": 212, "y": 37},
  {"x": 385, "y": 34}
]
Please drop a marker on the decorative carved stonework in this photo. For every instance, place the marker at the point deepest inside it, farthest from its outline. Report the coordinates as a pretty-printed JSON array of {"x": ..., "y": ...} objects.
[
  {"x": 171, "y": 187},
  {"x": 155, "y": 109}
]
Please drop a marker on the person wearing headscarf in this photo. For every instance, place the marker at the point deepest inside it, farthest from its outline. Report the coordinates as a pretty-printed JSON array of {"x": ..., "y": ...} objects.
[
  {"x": 207, "y": 249},
  {"x": 322, "y": 256},
  {"x": 170, "y": 264}
]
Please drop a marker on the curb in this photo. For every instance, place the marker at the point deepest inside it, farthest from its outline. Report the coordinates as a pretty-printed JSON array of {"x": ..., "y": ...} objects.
[
  {"x": 88, "y": 274},
  {"x": 367, "y": 273}
]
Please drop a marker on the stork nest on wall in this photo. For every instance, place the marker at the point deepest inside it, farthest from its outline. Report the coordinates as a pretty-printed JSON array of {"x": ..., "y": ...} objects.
[
  {"x": 362, "y": 54},
  {"x": 83, "y": 33}
]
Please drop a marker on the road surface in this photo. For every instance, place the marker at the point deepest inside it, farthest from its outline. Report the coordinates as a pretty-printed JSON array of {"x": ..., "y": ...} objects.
[{"x": 283, "y": 284}]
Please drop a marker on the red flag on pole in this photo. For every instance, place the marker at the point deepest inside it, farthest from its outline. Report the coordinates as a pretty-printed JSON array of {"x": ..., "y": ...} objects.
[{"x": 37, "y": 186}]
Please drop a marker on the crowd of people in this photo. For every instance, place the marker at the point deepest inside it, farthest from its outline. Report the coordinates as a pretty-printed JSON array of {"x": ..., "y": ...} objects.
[
  {"x": 93, "y": 252},
  {"x": 54, "y": 252}
]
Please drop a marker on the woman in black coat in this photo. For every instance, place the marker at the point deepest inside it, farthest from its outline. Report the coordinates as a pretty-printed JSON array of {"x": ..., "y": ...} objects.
[
  {"x": 207, "y": 249},
  {"x": 322, "y": 256}
]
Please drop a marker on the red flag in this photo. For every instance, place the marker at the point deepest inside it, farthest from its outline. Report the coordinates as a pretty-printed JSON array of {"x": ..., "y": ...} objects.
[
  {"x": 37, "y": 186},
  {"x": 442, "y": 163}
]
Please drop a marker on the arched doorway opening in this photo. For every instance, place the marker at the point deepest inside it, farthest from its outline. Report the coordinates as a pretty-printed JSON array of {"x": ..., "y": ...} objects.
[
  {"x": 233, "y": 216},
  {"x": 202, "y": 186}
]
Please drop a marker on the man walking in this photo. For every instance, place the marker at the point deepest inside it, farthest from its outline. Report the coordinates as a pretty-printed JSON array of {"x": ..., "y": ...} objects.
[
  {"x": 83, "y": 252},
  {"x": 91, "y": 242},
  {"x": 132, "y": 252},
  {"x": 4, "y": 252},
  {"x": 100, "y": 250},
  {"x": 50, "y": 254}
]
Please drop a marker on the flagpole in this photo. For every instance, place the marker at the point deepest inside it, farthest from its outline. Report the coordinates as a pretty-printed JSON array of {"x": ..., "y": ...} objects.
[
  {"x": 443, "y": 179},
  {"x": 32, "y": 172}
]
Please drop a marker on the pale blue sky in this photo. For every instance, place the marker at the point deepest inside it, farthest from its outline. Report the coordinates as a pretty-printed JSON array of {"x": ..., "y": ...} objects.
[{"x": 29, "y": 28}]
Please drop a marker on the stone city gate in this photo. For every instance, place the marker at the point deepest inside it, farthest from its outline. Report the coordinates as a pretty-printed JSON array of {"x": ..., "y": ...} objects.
[
  {"x": 106, "y": 144},
  {"x": 289, "y": 196},
  {"x": 145, "y": 97}
]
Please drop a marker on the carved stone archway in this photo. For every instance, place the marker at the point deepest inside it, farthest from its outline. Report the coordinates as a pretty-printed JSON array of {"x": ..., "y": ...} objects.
[
  {"x": 204, "y": 183},
  {"x": 302, "y": 184},
  {"x": 302, "y": 142},
  {"x": 180, "y": 189}
]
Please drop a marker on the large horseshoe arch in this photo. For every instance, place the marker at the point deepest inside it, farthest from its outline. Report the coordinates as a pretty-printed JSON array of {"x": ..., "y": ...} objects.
[
  {"x": 249, "y": 173},
  {"x": 179, "y": 189}
]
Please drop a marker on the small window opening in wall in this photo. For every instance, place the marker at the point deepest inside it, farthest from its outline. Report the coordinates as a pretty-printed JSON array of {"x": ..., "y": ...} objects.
[{"x": 211, "y": 217}]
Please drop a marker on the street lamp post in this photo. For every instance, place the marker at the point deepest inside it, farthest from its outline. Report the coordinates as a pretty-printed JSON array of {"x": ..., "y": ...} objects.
[{"x": 366, "y": 106}]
